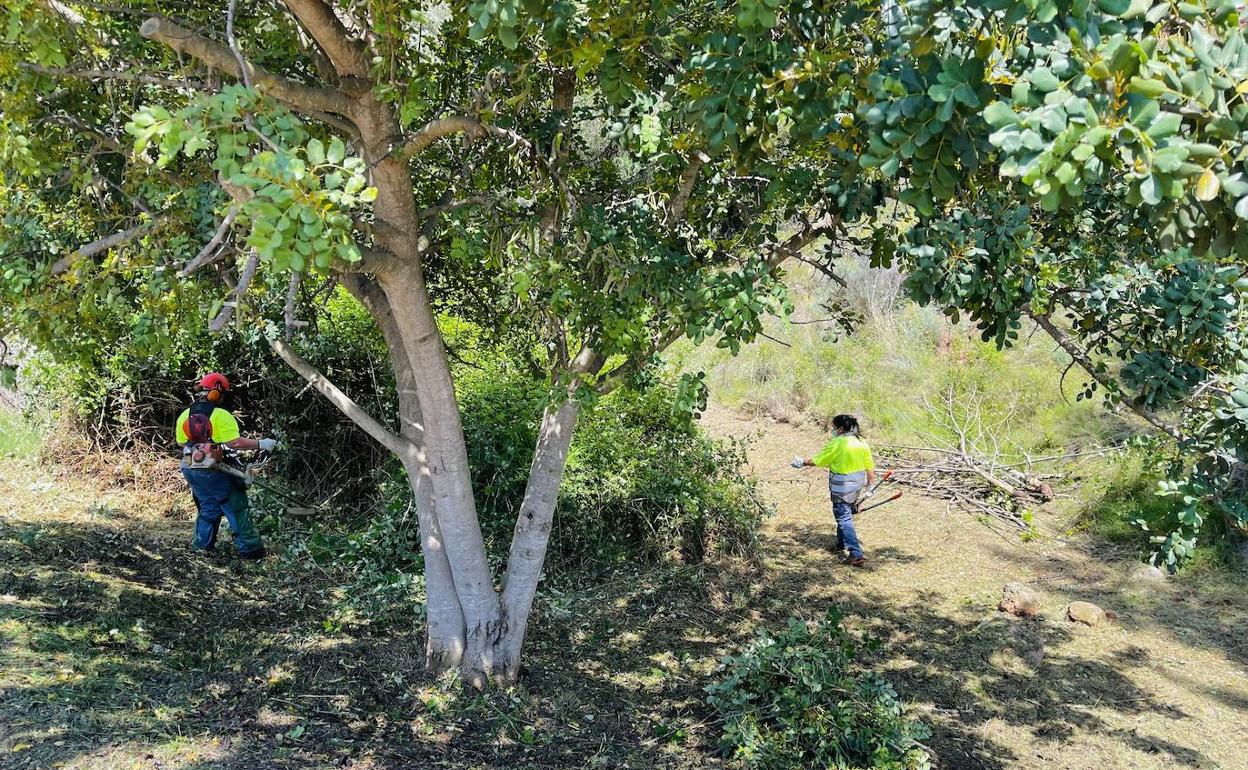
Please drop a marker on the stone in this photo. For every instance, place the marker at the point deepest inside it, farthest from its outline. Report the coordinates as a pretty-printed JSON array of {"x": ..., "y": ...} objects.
[
  {"x": 1019, "y": 600},
  {"x": 1147, "y": 573},
  {"x": 1088, "y": 614}
]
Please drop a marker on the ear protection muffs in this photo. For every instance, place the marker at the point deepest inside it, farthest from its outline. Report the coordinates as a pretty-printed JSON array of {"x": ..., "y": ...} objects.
[{"x": 213, "y": 395}]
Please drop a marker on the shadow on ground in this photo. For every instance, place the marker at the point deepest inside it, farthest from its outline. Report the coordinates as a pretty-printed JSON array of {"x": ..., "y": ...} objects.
[{"x": 124, "y": 650}]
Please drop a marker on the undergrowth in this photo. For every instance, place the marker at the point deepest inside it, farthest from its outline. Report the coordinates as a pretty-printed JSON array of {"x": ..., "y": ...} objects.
[
  {"x": 19, "y": 437},
  {"x": 796, "y": 699}
]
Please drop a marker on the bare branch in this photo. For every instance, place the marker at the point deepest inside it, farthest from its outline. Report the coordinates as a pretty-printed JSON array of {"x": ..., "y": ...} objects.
[
  {"x": 793, "y": 245},
  {"x": 442, "y": 208},
  {"x": 86, "y": 251},
  {"x": 348, "y": 55},
  {"x": 436, "y": 129},
  {"x": 827, "y": 271},
  {"x": 372, "y": 260},
  {"x": 220, "y": 58},
  {"x": 129, "y": 77},
  {"x": 233, "y": 43},
  {"x": 688, "y": 178},
  {"x": 292, "y": 294},
  {"x": 244, "y": 281},
  {"x": 354, "y": 412},
  {"x": 1085, "y": 362},
  {"x": 209, "y": 252}
]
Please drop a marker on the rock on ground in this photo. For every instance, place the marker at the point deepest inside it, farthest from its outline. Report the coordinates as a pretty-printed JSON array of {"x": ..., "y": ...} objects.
[
  {"x": 1018, "y": 599},
  {"x": 1088, "y": 613},
  {"x": 1147, "y": 573}
]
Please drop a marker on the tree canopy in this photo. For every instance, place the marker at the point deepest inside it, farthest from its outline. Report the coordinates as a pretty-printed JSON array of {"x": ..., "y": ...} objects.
[{"x": 593, "y": 181}]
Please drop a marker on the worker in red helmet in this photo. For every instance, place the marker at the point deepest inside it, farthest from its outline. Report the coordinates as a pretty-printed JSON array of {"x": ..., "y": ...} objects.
[{"x": 204, "y": 431}]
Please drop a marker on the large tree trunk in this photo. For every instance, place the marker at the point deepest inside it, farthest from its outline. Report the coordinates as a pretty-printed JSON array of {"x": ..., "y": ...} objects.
[
  {"x": 532, "y": 533},
  {"x": 443, "y": 470},
  {"x": 447, "y": 470},
  {"x": 444, "y": 620}
]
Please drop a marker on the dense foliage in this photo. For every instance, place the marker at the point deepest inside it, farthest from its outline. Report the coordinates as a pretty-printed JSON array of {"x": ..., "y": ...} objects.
[
  {"x": 794, "y": 699},
  {"x": 643, "y": 481},
  {"x": 626, "y": 172}
]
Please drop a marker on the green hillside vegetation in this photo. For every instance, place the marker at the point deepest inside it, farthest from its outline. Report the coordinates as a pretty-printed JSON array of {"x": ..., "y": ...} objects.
[
  {"x": 897, "y": 367},
  {"x": 910, "y": 373}
]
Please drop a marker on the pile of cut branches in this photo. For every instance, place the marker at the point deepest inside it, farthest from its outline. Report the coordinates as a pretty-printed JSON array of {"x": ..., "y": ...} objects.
[{"x": 970, "y": 461}]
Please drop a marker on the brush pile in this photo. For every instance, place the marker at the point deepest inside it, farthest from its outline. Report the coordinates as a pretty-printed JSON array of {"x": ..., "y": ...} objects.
[{"x": 968, "y": 462}]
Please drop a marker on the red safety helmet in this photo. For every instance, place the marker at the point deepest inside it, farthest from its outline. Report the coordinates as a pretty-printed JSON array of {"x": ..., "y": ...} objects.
[{"x": 216, "y": 384}]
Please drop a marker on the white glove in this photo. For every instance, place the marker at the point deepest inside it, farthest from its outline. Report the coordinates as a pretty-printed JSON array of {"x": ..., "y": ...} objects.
[
  {"x": 268, "y": 444},
  {"x": 798, "y": 462}
]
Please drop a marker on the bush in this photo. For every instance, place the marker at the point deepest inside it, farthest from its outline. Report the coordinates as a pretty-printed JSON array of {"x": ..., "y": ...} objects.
[
  {"x": 794, "y": 700},
  {"x": 642, "y": 481},
  {"x": 124, "y": 398}
]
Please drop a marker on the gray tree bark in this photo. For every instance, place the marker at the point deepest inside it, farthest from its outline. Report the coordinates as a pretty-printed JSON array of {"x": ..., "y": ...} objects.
[{"x": 532, "y": 533}]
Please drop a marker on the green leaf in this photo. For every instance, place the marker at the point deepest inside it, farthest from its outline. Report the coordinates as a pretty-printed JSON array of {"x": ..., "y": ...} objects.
[
  {"x": 316, "y": 152},
  {"x": 1150, "y": 190},
  {"x": 1165, "y": 124},
  {"x": 1168, "y": 159},
  {"x": 337, "y": 151},
  {"x": 1241, "y": 208},
  {"x": 1147, "y": 87},
  {"x": 999, "y": 115},
  {"x": 1044, "y": 79}
]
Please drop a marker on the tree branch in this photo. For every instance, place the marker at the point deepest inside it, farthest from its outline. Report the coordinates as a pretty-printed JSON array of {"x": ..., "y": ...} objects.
[
  {"x": 793, "y": 245},
  {"x": 129, "y": 77},
  {"x": 88, "y": 250},
  {"x": 292, "y": 294},
  {"x": 435, "y": 130},
  {"x": 208, "y": 252},
  {"x": 220, "y": 58},
  {"x": 347, "y": 54},
  {"x": 442, "y": 208},
  {"x": 353, "y": 411},
  {"x": 688, "y": 178},
  {"x": 373, "y": 260},
  {"x": 1081, "y": 357},
  {"x": 244, "y": 281}
]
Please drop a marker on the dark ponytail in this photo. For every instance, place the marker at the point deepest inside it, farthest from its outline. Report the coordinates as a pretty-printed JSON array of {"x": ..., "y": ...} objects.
[{"x": 847, "y": 423}]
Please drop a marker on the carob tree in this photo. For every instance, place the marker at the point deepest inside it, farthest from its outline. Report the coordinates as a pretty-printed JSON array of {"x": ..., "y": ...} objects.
[
  {"x": 597, "y": 180},
  {"x": 568, "y": 175}
]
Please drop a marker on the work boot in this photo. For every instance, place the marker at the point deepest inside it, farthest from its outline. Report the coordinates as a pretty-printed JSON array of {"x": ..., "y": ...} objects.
[
  {"x": 255, "y": 555},
  {"x": 861, "y": 561}
]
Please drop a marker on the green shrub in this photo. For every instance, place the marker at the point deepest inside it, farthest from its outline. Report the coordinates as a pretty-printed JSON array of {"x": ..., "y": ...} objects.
[
  {"x": 1118, "y": 502},
  {"x": 796, "y": 700},
  {"x": 645, "y": 481},
  {"x": 642, "y": 483}
]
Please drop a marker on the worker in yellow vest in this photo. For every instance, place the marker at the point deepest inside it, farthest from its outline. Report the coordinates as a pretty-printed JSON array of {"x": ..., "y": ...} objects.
[
  {"x": 204, "y": 431},
  {"x": 850, "y": 467}
]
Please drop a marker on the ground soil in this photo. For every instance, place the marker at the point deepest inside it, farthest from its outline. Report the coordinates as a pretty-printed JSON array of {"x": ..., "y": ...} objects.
[{"x": 119, "y": 649}]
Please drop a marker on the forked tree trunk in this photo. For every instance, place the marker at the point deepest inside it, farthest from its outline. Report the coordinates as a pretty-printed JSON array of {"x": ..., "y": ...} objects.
[{"x": 469, "y": 624}]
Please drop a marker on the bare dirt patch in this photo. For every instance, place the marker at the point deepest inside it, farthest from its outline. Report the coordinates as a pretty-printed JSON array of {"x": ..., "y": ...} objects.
[{"x": 1158, "y": 687}]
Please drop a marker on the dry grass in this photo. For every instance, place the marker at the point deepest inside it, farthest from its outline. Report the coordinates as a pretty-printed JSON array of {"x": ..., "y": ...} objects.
[{"x": 119, "y": 649}]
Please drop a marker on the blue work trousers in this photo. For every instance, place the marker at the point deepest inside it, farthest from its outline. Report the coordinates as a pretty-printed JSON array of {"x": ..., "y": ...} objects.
[
  {"x": 218, "y": 494},
  {"x": 846, "y": 536}
]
